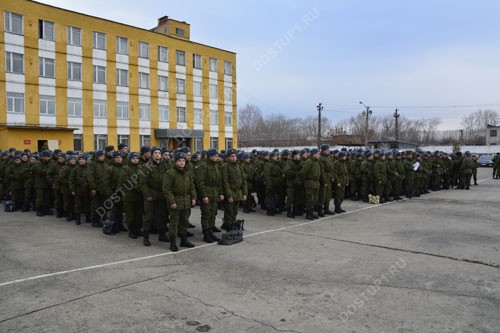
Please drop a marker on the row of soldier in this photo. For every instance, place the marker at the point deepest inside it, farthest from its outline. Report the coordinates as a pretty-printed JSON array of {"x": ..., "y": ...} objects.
[{"x": 156, "y": 188}]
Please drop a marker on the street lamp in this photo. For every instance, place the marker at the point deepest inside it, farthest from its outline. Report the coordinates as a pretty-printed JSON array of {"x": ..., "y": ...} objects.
[
  {"x": 319, "y": 107},
  {"x": 366, "y": 113}
]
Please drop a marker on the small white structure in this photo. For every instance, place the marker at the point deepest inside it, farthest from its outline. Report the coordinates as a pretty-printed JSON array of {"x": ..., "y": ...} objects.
[{"x": 492, "y": 135}]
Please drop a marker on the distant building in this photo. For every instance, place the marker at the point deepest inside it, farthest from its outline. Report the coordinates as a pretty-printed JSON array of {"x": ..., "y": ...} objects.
[
  {"x": 392, "y": 144},
  {"x": 74, "y": 81},
  {"x": 492, "y": 135}
]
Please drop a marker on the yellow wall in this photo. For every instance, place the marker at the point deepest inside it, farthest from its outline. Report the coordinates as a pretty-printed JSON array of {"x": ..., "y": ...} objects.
[
  {"x": 33, "y": 11},
  {"x": 15, "y": 138}
]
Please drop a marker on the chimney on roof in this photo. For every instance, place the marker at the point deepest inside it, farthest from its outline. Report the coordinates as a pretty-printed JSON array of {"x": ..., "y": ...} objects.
[{"x": 162, "y": 20}]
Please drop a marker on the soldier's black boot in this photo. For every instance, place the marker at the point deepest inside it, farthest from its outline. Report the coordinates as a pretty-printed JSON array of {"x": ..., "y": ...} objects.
[
  {"x": 211, "y": 234},
  {"x": 321, "y": 213},
  {"x": 270, "y": 212},
  {"x": 69, "y": 217},
  {"x": 185, "y": 242},
  {"x": 365, "y": 198},
  {"x": 388, "y": 198},
  {"x": 162, "y": 236},
  {"x": 289, "y": 213},
  {"x": 77, "y": 219},
  {"x": 191, "y": 225},
  {"x": 328, "y": 211},
  {"x": 145, "y": 240},
  {"x": 48, "y": 211},
  {"x": 215, "y": 229},
  {"x": 173, "y": 246},
  {"x": 206, "y": 237},
  {"x": 337, "y": 209},
  {"x": 26, "y": 209},
  {"x": 310, "y": 215},
  {"x": 39, "y": 212},
  {"x": 87, "y": 218},
  {"x": 341, "y": 210},
  {"x": 59, "y": 213},
  {"x": 132, "y": 232},
  {"x": 96, "y": 223}
]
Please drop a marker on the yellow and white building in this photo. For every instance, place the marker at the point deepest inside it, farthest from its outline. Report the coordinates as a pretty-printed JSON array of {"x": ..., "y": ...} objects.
[{"x": 80, "y": 82}]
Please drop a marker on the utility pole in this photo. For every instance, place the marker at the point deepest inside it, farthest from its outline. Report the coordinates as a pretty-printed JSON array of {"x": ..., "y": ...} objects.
[
  {"x": 396, "y": 116},
  {"x": 366, "y": 113},
  {"x": 319, "y": 107}
]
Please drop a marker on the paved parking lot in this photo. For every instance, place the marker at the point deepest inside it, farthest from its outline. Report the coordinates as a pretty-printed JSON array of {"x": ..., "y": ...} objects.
[{"x": 429, "y": 264}]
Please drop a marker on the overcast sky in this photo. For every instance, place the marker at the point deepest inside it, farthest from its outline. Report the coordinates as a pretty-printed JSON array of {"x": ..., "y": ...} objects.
[{"x": 426, "y": 57}]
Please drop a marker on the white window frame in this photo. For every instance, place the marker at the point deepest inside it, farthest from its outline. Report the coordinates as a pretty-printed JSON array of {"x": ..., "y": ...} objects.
[
  {"x": 228, "y": 68},
  {"x": 180, "y": 86},
  {"x": 100, "y": 108},
  {"x": 46, "y": 30},
  {"x": 15, "y": 102},
  {"x": 9, "y": 19},
  {"x": 198, "y": 144},
  {"x": 74, "y": 36},
  {"x": 229, "y": 146},
  {"x": 145, "y": 140},
  {"x": 144, "y": 50},
  {"x": 143, "y": 80},
  {"x": 99, "y": 74},
  {"x": 162, "y": 54},
  {"x": 74, "y": 71},
  {"x": 197, "y": 63},
  {"x": 179, "y": 31},
  {"x": 198, "y": 116},
  {"x": 197, "y": 89},
  {"x": 121, "y": 45},
  {"x": 122, "y": 110},
  {"x": 12, "y": 60},
  {"x": 228, "y": 118},
  {"x": 99, "y": 40},
  {"x": 214, "y": 117},
  {"x": 124, "y": 138},
  {"x": 46, "y": 67},
  {"x": 213, "y": 91},
  {"x": 122, "y": 75},
  {"x": 47, "y": 105},
  {"x": 163, "y": 112},
  {"x": 228, "y": 94},
  {"x": 213, "y": 65},
  {"x": 214, "y": 142},
  {"x": 144, "y": 111},
  {"x": 180, "y": 58},
  {"x": 181, "y": 114},
  {"x": 78, "y": 142},
  {"x": 100, "y": 141},
  {"x": 75, "y": 107},
  {"x": 162, "y": 83}
]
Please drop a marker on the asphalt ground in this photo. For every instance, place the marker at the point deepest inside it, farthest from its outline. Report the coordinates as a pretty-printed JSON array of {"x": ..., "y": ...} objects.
[{"x": 429, "y": 264}]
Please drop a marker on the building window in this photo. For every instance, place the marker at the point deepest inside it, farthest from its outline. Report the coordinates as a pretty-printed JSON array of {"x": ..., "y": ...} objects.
[
  {"x": 125, "y": 139},
  {"x": 74, "y": 107},
  {"x": 99, "y": 74},
  {"x": 198, "y": 116},
  {"x": 122, "y": 77},
  {"x": 143, "y": 50},
  {"x": 15, "y": 62},
  {"x": 214, "y": 143},
  {"x": 145, "y": 140},
  {"x": 15, "y": 102},
  {"x": 46, "y": 30},
  {"x": 198, "y": 144},
  {"x": 181, "y": 86},
  {"x": 46, "y": 67},
  {"x": 228, "y": 68},
  {"x": 14, "y": 23},
  {"x": 213, "y": 91},
  {"x": 181, "y": 114},
  {"x": 228, "y": 118},
  {"x": 74, "y": 36},
  {"x": 213, "y": 65},
  {"x": 99, "y": 40},
  {"x": 228, "y": 94},
  {"x": 164, "y": 112},
  {"x": 100, "y": 141},
  {"x": 229, "y": 143},
  {"x": 214, "y": 117},
  {"x": 121, "y": 45},
  {"x": 179, "y": 31},
  {"x": 493, "y": 133},
  {"x": 74, "y": 71},
  {"x": 100, "y": 108},
  {"x": 162, "y": 83},
  {"x": 47, "y": 105},
  {"x": 197, "y": 61},
  {"x": 162, "y": 54},
  {"x": 122, "y": 110},
  {"x": 77, "y": 142},
  {"x": 144, "y": 80},
  {"x": 197, "y": 89},
  {"x": 144, "y": 112},
  {"x": 180, "y": 58}
]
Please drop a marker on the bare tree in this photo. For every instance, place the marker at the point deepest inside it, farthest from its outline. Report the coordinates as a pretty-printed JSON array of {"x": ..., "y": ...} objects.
[{"x": 474, "y": 125}]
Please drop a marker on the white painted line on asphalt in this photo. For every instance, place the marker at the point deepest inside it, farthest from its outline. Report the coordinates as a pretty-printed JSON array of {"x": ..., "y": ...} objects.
[{"x": 37, "y": 277}]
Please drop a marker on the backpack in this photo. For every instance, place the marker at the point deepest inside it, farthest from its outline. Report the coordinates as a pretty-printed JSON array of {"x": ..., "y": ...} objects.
[
  {"x": 235, "y": 235},
  {"x": 109, "y": 226},
  {"x": 10, "y": 206}
]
